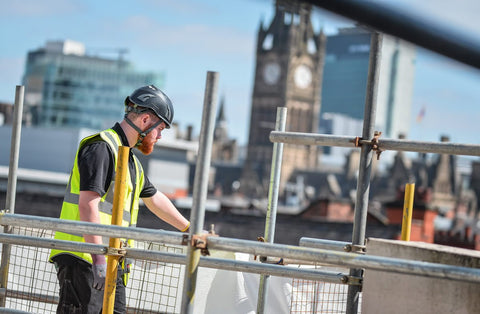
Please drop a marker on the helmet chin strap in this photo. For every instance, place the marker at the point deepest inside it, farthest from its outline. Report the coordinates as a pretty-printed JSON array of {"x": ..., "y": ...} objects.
[{"x": 141, "y": 134}]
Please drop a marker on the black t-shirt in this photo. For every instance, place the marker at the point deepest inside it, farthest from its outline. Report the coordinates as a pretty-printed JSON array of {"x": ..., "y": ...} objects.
[{"x": 96, "y": 165}]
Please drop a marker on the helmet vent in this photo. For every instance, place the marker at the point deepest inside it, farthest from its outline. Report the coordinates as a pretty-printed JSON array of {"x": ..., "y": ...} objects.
[{"x": 145, "y": 97}]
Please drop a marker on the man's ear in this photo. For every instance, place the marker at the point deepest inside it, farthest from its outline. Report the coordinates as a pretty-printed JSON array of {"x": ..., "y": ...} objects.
[{"x": 145, "y": 118}]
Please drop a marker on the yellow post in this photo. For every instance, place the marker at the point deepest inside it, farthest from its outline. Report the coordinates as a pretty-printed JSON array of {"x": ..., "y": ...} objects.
[
  {"x": 117, "y": 215},
  {"x": 407, "y": 211}
]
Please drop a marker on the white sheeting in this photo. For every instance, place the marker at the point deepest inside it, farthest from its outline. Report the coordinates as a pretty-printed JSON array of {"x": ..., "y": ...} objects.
[{"x": 221, "y": 291}]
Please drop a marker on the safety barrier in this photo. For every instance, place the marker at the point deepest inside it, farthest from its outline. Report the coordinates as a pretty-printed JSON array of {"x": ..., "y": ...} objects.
[
  {"x": 33, "y": 287},
  {"x": 154, "y": 286}
]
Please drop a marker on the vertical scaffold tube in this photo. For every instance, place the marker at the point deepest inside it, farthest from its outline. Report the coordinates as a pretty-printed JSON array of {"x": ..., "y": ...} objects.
[
  {"x": 407, "y": 211},
  {"x": 272, "y": 203},
  {"x": 119, "y": 196},
  {"x": 200, "y": 188},
  {"x": 11, "y": 185},
  {"x": 365, "y": 167}
]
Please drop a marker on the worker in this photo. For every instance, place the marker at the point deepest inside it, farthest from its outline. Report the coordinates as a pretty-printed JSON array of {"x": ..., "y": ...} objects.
[{"x": 89, "y": 197}]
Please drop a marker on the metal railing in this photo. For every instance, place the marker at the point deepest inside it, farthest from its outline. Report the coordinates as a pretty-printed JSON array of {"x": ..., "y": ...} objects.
[
  {"x": 156, "y": 286},
  {"x": 33, "y": 286},
  {"x": 306, "y": 254}
]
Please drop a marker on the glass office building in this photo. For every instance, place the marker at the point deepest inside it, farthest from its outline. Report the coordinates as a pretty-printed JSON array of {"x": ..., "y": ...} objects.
[
  {"x": 346, "y": 73},
  {"x": 65, "y": 87}
]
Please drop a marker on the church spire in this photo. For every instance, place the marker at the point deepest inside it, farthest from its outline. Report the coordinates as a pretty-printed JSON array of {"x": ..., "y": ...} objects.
[
  {"x": 221, "y": 114},
  {"x": 220, "y": 132}
]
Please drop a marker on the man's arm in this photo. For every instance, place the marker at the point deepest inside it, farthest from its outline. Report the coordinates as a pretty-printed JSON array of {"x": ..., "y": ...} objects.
[
  {"x": 164, "y": 209},
  {"x": 88, "y": 208}
]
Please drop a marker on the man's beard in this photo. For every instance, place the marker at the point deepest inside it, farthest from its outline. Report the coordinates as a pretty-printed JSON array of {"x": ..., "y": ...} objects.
[{"x": 147, "y": 144}]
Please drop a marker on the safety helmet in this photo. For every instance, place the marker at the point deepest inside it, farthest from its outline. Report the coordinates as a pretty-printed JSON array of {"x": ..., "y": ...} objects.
[{"x": 150, "y": 97}]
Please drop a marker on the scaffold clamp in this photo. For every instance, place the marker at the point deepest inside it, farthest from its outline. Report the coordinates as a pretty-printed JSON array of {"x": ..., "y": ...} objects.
[
  {"x": 200, "y": 241},
  {"x": 356, "y": 141},
  {"x": 269, "y": 259},
  {"x": 112, "y": 251},
  {"x": 352, "y": 280},
  {"x": 360, "y": 249},
  {"x": 375, "y": 145}
]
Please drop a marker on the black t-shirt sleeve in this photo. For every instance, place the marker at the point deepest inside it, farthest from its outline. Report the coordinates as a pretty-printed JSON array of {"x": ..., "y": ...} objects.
[
  {"x": 148, "y": 189},
  {"x": 96, "y": 166}
]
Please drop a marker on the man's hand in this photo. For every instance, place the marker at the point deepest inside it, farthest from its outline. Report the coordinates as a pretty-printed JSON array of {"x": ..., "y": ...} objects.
[{"x": 99, "y": 269}]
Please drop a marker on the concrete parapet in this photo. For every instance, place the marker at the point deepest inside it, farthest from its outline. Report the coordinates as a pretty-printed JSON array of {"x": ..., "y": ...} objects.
[{"x": 385, "y": 292}]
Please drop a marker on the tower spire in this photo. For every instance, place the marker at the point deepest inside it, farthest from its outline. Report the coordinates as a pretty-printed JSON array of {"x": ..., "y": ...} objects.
[{"x": 220, "y": 132}]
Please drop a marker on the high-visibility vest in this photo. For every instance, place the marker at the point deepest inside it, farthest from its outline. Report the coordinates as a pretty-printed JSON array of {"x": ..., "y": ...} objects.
[{"x": 70, "y": 202}]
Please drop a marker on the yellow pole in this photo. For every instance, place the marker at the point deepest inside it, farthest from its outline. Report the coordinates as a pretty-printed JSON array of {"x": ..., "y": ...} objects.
[
  {"x": 407, "y": 211},
  {"x": 117, "y": 215}
]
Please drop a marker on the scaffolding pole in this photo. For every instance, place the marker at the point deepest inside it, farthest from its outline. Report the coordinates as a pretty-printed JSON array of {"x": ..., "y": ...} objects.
[
  {"x": 379, "y": 143},
  {"x": 324, "y": 244},
  {"x": 200, "y": 189},
  {"x": 12, "y": 184},
  {"x": 407, "y": 211},
  {"x": 365, "y": 167},
  {"x": 83, "y": 227},
  {"x": 271, "y": 217}
]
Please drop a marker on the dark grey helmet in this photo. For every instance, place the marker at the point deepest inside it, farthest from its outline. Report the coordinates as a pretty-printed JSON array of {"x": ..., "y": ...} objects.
[{"x": 153, "y": 98}]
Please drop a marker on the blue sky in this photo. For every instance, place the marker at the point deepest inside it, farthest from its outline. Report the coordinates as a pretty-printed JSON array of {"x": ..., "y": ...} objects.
[{"x": 186, "y": 38}]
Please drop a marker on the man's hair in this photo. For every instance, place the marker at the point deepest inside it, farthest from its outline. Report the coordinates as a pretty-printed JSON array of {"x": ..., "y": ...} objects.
[{"x": 136, "y": 113}]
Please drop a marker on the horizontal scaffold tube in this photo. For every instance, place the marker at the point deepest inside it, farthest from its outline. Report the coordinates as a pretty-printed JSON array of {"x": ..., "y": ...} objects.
[
  {"x": 387, "y": 264},
  {"x": 81, "y": 227},
  {"x": 380, "y": 144},
  {"x": 323, "y": 244},
  {"x": 209, "y": 262},
  {"x": 312, "y": 139},
  {"x": 350, "y": 260},
  {"x": 243, "y": 266}
]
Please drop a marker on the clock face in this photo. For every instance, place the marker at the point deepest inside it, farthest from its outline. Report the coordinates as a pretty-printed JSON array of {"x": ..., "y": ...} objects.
[
  {"x": 271, "y": 73},
  {"x": 302, "y": 76}
]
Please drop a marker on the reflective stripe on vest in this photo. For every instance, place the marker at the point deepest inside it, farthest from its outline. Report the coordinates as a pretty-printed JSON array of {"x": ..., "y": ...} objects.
[{"x": 70, "y": 203}]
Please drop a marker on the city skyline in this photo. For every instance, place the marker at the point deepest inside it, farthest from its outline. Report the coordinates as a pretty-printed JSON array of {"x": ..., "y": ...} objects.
[{"x": 185, "y": 39}]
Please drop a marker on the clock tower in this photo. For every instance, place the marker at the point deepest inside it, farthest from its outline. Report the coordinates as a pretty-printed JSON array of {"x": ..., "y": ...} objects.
[{"x": 288, "y": 73}]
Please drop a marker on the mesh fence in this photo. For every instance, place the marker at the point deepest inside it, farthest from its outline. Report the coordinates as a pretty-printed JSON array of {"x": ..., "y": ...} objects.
[
  {"x": 32, "y": 285},
  {"x": 311, "y": 297},
  {"x": 153, "y": 287}
]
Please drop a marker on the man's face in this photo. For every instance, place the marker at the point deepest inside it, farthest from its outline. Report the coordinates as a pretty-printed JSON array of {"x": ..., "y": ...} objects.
[{"x": 148, "y": 143}]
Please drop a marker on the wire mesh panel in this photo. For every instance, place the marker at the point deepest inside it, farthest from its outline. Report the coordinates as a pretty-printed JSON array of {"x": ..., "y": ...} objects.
[
  {"x": 154, "y": 287},
  {"x": 313, "y": 297},
  {"x": 32, "y": 282}
]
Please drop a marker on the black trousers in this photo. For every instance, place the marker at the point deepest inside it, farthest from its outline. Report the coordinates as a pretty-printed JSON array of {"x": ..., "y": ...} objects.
[{"x": 77, "y": 295}]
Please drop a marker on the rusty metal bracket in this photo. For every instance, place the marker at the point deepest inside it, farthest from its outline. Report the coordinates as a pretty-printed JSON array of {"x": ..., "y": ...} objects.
[
  {"x": 375, "y": 142},
  {"x": 352, "y": 280},
  {"x": 356, "y": 141},
  {"x": 111, "y": 251},
  {"x": 268, "y": 259},
  {"x": 121, "y": 251},
  {"x": 360, "y": 249},
  {"x": 200, "y": 241},
  {"x": 185, "y": 237}
]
